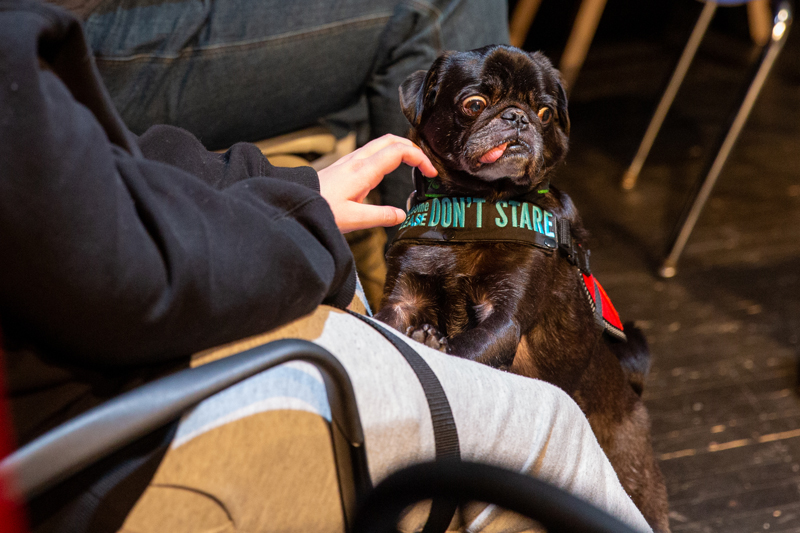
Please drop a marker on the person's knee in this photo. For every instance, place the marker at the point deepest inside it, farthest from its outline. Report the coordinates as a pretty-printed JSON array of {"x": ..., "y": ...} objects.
[
  {"x": 470, "y": 24},
  {"x": 560, "y": 406}
]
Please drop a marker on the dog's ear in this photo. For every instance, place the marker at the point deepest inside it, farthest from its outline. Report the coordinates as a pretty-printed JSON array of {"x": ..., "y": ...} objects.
[
  {"x": 419, "y": 90},
  {"x": 411, "y": 96},
  {"x": 561, "y": 106}
]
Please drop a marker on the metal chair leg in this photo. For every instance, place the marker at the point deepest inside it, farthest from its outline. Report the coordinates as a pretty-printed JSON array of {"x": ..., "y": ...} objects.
[
  {"x": 521, "y": 20},
  {"x": 583, "y": 30},
  {"x": 780, "y": 29},
  {"x": 632, "y": 174},
  {"x": 759, "y": 21}
]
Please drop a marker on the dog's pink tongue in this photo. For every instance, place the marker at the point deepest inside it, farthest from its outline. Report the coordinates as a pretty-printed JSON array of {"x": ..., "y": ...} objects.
[{"x": 494, "y": 154}]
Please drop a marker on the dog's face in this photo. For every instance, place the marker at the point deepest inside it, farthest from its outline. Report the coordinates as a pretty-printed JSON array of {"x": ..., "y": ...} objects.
[{"x": 492, "y": 120}]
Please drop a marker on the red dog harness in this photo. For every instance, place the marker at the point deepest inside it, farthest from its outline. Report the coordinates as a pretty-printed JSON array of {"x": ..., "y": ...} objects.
[
  {"x": 451, "y": 220},
  {"x": 605, "y": 314}
]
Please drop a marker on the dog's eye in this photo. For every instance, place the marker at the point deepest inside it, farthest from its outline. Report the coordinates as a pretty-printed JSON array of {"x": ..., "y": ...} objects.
[
  {"x": 545, "y": 115},
  {"x": 474, "y": 105}
]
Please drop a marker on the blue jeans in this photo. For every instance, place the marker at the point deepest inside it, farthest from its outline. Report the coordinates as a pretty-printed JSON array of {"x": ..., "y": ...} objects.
[{"x": 244, "y": 70}]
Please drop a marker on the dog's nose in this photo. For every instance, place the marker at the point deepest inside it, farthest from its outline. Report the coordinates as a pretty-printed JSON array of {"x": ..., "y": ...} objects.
[{"x": 516, "y": 115}]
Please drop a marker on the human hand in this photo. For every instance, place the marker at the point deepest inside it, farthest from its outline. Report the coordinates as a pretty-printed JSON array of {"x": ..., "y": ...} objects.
[{"x": 347, "y": 182}]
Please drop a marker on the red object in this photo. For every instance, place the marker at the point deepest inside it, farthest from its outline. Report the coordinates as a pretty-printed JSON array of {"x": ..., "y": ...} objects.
[
  {"x": 611, "y": 320},
  {"x": 11, "y": 516}
]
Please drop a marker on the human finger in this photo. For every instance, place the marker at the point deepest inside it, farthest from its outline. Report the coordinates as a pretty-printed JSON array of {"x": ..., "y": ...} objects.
[
  {"x": 372, "y": 147},
  {"x": 389, "y": 158},
  {"x": 363, "y": 216},
  {"x": 376, "y": 145}
]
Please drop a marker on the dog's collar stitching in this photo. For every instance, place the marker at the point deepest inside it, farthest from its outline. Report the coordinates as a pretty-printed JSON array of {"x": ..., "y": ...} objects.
[{"x": 432, "y": 183}]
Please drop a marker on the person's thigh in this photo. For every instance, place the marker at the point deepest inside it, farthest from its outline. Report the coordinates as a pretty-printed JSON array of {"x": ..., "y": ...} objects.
[
  {"x": 522, "y": 424},
  {"x": 243, "y": 70},
  {"x": 232, "y": 70}
]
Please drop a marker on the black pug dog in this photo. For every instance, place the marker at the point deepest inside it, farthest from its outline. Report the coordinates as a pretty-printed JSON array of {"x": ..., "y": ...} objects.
[{"x": 490, "y": 263}]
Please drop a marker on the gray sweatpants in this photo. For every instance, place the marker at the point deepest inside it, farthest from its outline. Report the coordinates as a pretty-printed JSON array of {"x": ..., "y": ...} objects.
[{"x": 257, "y": 457}]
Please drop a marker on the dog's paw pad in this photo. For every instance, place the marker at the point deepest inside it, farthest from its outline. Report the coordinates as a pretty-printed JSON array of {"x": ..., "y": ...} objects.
[{"x": 429, "y": 336}]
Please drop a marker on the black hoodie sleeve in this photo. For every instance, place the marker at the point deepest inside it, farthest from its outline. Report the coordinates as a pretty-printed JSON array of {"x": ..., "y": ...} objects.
[
  {"x": 177, "y": 147},
  {"x": 120, "y": 259}
]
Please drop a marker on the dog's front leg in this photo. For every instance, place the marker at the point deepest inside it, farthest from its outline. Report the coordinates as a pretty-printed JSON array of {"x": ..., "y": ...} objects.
[
  {"x": 404, "y": 315},
  {"x": 492, "y": 342},
  {"x": 398, "y": 316},
  {"x": 409, "y": 303},
  {"x": 411, "y": 323}
]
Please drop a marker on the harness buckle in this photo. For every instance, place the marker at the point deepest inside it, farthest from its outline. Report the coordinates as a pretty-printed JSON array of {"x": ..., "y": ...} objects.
[
  {"x": 418, "y": 195},
  {"x": 573, "y": 252},
  {"x": 582, "y": 260}
]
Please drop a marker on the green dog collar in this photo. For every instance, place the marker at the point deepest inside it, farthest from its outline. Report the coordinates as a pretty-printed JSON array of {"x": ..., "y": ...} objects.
[
  {"x": 434, "y": 217},
  {"x": 466, "y": 219}
]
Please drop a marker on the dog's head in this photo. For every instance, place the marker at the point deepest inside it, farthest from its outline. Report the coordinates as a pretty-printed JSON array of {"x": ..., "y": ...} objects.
[{"x": 493, "y": 121}]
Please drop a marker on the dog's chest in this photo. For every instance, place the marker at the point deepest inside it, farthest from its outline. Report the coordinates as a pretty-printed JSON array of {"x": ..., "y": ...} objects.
[{"x": 475, "y": 273}]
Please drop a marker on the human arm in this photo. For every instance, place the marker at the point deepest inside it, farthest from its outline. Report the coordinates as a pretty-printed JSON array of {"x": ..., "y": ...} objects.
[
  {"x": 344, "y": 184},
  {"x": 114, "y": 259}
]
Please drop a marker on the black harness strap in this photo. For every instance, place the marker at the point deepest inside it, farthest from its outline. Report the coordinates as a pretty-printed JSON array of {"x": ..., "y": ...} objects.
[
  {"x": 445, "y": 433},
  {"x": 573, "y": 252},
  {"x": 598, "y": 307}
]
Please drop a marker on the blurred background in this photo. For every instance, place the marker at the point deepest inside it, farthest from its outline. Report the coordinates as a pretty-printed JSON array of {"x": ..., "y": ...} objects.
[{"x": 725, "y": 330}]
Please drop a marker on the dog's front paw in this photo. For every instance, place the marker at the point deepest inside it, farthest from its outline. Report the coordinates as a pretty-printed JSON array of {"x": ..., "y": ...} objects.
[{"x": 429, "y": 336}]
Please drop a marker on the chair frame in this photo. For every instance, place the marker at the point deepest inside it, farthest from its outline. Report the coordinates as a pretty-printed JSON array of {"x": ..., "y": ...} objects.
[
  {"x": 462, "y": 482},
  {"x": 782, "y": 20},
  {"x": 87, "y": 438},
  {"x": 55, "y": 456},
  {"x": 580, "y": 36}
]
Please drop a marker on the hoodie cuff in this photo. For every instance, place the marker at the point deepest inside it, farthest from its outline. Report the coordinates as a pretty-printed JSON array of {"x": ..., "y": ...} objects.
[{"x": 342, "y": 298}]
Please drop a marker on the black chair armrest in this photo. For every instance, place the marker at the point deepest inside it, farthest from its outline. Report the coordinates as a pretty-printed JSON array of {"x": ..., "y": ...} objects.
[
  {"x": 78, "y": 443},
  {"x": 464, "y": 482}
]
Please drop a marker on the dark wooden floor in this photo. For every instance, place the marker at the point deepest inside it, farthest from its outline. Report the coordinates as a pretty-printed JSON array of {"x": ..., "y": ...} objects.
[{"x": 725, "y": 333}]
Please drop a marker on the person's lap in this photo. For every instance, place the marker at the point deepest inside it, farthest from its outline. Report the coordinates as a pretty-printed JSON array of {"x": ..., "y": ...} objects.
[{"x": 264, "y": 442}]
